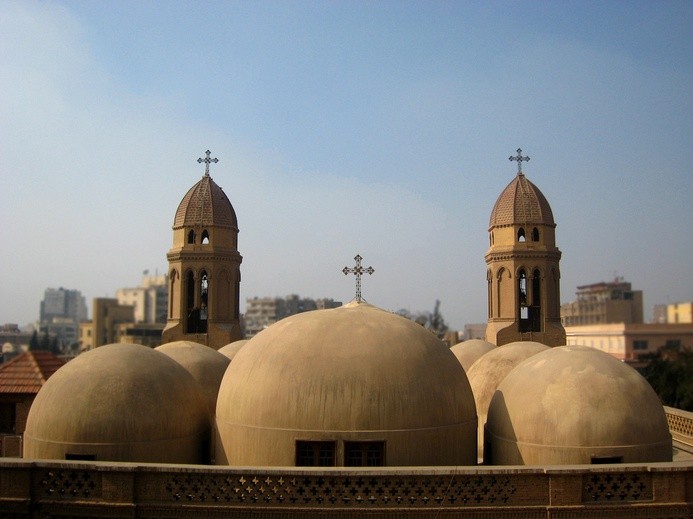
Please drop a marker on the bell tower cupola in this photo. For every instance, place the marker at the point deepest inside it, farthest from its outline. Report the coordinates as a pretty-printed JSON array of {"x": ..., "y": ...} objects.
[
  {"x": 522, "y": 272},
  {"x": 204, "y": 267}
]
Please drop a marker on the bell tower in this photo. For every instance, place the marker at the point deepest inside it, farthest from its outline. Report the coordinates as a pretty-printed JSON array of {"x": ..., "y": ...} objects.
[
  {"x": 204, "y": 267},
  {"x": 522, "y": 272}
]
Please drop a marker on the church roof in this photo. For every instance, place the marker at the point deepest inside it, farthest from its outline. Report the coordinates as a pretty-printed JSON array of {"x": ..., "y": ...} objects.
[
  {"x": 205, "y": 204},
  {"x": 28, "y": 372},
  {"x": 521, "y": 202}
]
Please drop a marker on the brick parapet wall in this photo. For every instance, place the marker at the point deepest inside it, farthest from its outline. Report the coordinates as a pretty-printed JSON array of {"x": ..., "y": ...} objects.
[{"x": 101, "y": 489}]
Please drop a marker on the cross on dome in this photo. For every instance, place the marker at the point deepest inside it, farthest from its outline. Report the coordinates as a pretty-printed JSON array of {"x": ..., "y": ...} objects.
[
  {"x": 358, "y": 271},
  {"x": 520, "y": 159},
  {"x": 207, "y": 161}
]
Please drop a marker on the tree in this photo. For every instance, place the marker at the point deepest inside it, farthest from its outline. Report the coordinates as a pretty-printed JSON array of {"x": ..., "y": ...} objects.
[
  {"x": 436, "y": 322},
  {"x": 670, "y": 373}
]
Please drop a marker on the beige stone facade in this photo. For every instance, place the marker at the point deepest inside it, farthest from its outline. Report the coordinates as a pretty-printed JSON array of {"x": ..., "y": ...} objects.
[
  {"x": 107, "y": 314},
  {"x": 627, "y": 342},
  {"x": 523, "y": 274},
  {"x": 204, "y": 269},
  {"x": 149, "y": 300}
]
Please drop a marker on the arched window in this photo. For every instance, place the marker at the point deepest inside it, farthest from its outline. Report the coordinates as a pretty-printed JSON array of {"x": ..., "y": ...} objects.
[
  {"x": 522, "y": 294},
  {"x": 535, "y": 234},
  {"x": 192, "y": 313},
  {"x": 172, "y": 292},
  {"x": 521, "y": 234},
  {"x": 191, "y": 236},
  {"x": 205, "y": 237}
]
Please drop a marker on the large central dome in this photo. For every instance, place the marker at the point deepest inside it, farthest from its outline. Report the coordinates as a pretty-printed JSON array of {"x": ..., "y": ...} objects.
[
  {"x": 205, "y": 204},
  {"x": 521, "y": 202},
  {"x": 350, "y": 374}
]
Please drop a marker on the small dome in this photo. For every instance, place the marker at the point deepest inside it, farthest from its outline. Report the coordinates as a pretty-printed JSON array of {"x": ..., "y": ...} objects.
[
  {"x": 575, "y": 405},
  {"x": 205, "y": 364},
  {"x": 205, "y": 204},
  {"x": 120, "y": 402},
  {"x": 232, "y": 348},
  {"x": 488, "y": 372},
  {"x": 354, "y": 373},
  {"x": 468, "y": 352},
  {"x": 521, "y": 202}
]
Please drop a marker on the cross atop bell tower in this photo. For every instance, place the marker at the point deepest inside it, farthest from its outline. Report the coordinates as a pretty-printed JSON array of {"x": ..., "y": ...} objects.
[
  {"x": 519, "y": 158},
  {"x": 207, "y": 161}
]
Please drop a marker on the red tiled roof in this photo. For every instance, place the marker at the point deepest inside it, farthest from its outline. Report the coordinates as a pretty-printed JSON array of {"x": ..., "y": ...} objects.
[{"x": 28, "y": 372}]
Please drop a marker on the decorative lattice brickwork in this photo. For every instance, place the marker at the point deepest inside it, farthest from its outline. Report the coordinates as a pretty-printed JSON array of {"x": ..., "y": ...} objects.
[
  {"x": 680, "y": 424},
  {"x": 614, "y": 487},
  {"x": 76, "y": 484},
  {"x": 341, "y": 491}
]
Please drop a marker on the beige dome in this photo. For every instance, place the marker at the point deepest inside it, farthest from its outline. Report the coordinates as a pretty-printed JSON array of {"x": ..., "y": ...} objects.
[
  {"x": 575, "y": 405},
  {"x": 468, "y": 352},
  {"x": 351, "y": 373},
  {"x": 521, "y": 202},
  {"x": 232, "y": 348},
  {"x": 120, "y": 402},
  {"x": 205, "y": 204},
  {"x": 489, "y": 371},
  {"x": 206, "y": 365}
]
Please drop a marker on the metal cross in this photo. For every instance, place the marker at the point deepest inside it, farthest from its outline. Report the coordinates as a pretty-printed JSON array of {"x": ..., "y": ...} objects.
[
  {"x": 520, "y": 159},
  {"x": 207, "y": 160},
  {"x": 358, "y": 271}
]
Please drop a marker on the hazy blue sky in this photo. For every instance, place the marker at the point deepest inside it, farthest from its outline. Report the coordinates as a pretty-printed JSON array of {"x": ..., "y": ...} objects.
[{"x": 376, "y": 127}]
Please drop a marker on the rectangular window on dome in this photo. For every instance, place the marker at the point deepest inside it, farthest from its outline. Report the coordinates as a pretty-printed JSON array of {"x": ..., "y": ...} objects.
[
  {"x": 80, "y": 457},
  {"x": 315, "y": 453},
  {"x": 364, "y": 454},
  {"x": 603, "y": 460}
]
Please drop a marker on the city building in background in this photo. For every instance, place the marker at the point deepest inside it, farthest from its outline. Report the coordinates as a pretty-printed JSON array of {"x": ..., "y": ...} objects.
[
  {"x": 673, "y": 313},
  {"x": 149, "y": 300},
  {"x": 107, "y": 313},
  {"x": 631, "y": 341},
  {"x": 260, "y": 312},
  {"x": 61, "y": 312},
  {"x": 603, "y": 303}
]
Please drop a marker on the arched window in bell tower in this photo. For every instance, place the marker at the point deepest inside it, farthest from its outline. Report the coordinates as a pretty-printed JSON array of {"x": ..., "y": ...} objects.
[
  {"x": 192, "y": 313},
  {"x": 191, "y": 237},
  {"x": 521, "y": 234},
  {"x": 522, "y": 298},
  {"x": 535, "y": 307},
  {"x": 172, "y": 292},
  {"x": 535, "y": 234},
  {"x": 204, "y": 295},
  {"x": 205, "y": 237}
]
